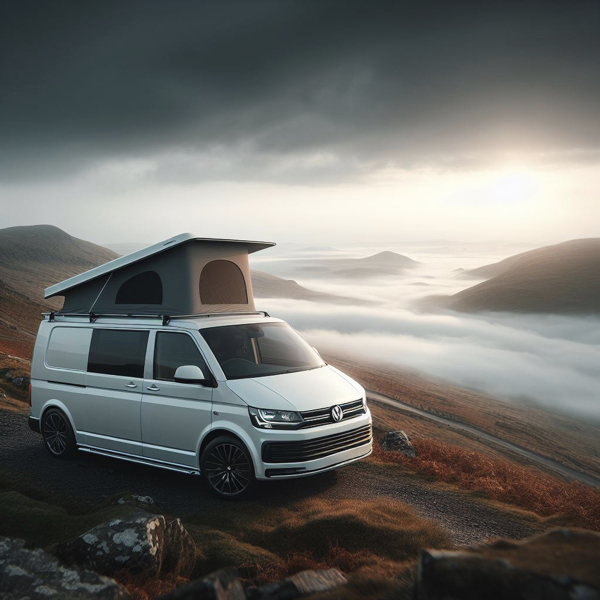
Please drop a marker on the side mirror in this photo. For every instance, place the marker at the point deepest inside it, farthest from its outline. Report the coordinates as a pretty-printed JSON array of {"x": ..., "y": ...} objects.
[{"x": 190, "y": 374}]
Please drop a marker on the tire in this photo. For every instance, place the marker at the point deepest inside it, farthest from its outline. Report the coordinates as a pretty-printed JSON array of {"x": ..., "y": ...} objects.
[
  {"x": 58, "y": 435},
  {"x": 227, "y": 469}
]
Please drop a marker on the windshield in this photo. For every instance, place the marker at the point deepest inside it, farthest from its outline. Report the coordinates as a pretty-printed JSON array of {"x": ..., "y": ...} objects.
[{"x": 260, "y": 349}]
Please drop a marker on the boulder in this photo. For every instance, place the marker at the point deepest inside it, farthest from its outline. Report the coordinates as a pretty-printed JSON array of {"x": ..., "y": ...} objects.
[
  {"x": 398, "y": 441},
  {"x": 135, "y": 499},
  {"x": 37, "y": 575},
  {"x": 560, "y": 565},
  {"x": 180, "y": 551},
  {"x": 142, "y": 544},
  {"x": 220, "y": 585},
  {"x": 301, "y": 584}
]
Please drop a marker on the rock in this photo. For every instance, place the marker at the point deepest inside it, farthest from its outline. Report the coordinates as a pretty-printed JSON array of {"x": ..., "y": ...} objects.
[
  {"x": 135, "y": 499},
  {"x": 142, "y": 544},
  {"x": 298, "y": 585},
  {"x": 560, "y": 565},
  {"x": 400, "y": 442},
  {"x": 36, "y": 575},
  {"x": 220, "y": 585},
  {"x": 180, "y": 551}
]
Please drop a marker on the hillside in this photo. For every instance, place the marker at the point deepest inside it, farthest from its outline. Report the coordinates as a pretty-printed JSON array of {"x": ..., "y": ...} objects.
[
  {"x": 561, "y": 279},
  {"x": 32, "y": 258},
  {"x": 266, "y": 285}
]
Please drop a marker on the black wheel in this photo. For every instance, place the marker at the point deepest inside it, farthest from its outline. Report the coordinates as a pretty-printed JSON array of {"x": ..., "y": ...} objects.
[
  {"x": 58, "y": 435},
  {"x": 227, "y": 468}
]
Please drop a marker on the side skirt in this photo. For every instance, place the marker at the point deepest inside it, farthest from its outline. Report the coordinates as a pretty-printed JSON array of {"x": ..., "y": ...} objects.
[{"x": 151, "y": 462}]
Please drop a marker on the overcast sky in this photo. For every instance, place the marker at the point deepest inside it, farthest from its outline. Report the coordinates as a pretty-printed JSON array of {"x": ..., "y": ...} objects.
[{"x": 301, "y": 121}]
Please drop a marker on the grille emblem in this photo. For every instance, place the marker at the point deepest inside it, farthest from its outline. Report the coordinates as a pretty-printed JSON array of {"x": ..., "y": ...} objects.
[{"x": 337, "y": 414}]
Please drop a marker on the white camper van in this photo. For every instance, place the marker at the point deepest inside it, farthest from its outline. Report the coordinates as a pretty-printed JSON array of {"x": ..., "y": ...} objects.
[{"x": 161, "y": 358}]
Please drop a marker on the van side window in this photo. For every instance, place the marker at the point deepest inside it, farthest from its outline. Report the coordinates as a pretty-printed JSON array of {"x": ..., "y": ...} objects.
[
  {"x": 68, "y": 348},
  {"x": 175, "y": 350},
  {"x": 118, "y": 352}
]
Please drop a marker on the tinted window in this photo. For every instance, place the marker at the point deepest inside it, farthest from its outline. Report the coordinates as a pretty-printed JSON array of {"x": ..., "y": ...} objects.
[
  {"x": 222, "y": 282},
  {"x": 68, "y": 348},
  {"x": 117, "y": 352},
  {"x": 144, "y": 288},
  {"x": 258, "y": 350},
  {"x": 175, "y": 350}
]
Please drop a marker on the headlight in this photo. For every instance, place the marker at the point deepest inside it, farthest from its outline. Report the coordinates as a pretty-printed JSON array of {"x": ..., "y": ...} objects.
[{"x": 274, "y": 419}]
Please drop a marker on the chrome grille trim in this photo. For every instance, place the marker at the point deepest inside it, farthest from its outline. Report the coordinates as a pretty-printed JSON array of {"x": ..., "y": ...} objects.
[{"x": 322, "y": 416}]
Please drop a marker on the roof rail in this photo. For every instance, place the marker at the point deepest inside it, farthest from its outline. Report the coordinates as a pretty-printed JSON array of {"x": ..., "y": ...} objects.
[{"x": 165, "y": 318}]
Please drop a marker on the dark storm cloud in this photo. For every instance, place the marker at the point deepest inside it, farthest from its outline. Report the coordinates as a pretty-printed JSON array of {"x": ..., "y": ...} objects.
[{"x": 257, "y": 84}]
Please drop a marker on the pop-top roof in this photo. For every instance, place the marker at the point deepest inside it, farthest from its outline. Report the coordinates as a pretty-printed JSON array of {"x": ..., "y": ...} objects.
[{"x": 143, "y": 254}]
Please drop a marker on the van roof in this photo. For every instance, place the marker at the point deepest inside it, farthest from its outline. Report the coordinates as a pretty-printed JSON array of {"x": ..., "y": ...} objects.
[{"x": 144, "y": 253}]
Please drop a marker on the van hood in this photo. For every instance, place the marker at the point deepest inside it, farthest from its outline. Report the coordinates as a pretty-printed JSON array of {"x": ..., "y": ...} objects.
[{"x": 305, "y": 390}]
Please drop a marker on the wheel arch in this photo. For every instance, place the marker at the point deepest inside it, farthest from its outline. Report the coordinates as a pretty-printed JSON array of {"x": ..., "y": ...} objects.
[
  {"x": 61, "y": 406},
  {"x": 217, "y": 432}
]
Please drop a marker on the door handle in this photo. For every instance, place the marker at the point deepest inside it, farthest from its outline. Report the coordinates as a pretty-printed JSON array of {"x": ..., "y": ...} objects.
[
  {"x": 131, "y": 385},
  {"x": 153, "y": 388}
]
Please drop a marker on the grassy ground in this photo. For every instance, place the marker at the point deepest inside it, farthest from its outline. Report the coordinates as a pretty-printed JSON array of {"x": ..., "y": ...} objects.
[{"x": 376, "y": 543}]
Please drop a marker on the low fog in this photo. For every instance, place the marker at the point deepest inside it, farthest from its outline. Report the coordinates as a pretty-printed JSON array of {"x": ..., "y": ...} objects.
[{"x": 543, "y": 360}]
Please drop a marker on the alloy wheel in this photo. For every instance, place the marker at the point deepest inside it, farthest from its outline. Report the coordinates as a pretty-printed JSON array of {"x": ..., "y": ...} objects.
[
  {"x": 228, "y": 469},
  {"x": 56, "y": 433}
]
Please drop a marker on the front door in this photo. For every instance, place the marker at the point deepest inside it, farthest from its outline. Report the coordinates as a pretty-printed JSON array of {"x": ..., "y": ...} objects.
[
  {"x": 174, "y": 414},
  {"x": 114, "y": 383}
]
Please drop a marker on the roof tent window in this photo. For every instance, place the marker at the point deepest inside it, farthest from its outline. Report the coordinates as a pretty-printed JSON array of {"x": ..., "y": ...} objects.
[
  {"x": 222, "y": 282},
  {"x": 144, "y": 288}
]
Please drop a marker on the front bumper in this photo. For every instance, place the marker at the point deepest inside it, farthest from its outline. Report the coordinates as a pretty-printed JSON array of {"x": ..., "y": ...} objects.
[
  {"x": 274, "y": 465},
  {"x": 288, "y": 473}
]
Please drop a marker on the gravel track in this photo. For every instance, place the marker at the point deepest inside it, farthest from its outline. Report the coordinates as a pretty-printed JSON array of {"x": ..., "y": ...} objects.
[{"x": 87, "y": 479}]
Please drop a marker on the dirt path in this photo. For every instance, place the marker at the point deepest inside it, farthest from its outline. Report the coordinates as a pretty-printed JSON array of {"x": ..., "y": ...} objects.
[
  {"x": 88, "y": 479},
  {"x": 549, "y": 463}
]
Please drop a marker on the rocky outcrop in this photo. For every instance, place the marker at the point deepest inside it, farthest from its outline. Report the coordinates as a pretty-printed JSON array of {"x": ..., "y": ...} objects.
[
  {"x": 36, "y": 575},
  {"x": 301, "y": 584},
  {"x": 142, "y": 544},
  {"x": 226, "y": 585},
  {"x": 560, "y": 565},
  {"x": 220, "y": 585},
  {"x": 398, "y": 441},
  {"x": 21, "y": 382}
]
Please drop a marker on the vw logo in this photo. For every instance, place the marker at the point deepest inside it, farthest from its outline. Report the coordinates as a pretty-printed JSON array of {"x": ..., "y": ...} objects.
[{"x": 337, "y": 414}]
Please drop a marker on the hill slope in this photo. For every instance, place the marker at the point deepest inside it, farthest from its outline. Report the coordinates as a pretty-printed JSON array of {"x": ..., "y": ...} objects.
[
  {"x": 266, "y": 285},
  {"x": 561, "y": 279},
  {"x": 32, "y": 258}
]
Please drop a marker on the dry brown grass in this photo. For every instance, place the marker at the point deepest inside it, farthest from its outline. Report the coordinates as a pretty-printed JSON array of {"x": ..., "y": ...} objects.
[
  {"x": 502, "y": 481},
  {"x": 141, "y": 588},
  {"x": 374, "y": 539}
]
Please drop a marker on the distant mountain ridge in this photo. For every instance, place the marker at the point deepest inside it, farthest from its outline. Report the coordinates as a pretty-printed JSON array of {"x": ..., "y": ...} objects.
[
  {"x": 561, "y": 279},
  {"x": 382, "y": 264}
]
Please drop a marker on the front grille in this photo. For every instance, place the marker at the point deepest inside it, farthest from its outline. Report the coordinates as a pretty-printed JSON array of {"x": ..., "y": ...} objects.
[
  {"x": 291, "y": 452},
  {"x": 322, "y": 416}
]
